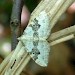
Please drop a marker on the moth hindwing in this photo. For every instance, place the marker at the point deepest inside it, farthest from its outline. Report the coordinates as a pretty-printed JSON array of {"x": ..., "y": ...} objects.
[{"x": 34, "y": 39}]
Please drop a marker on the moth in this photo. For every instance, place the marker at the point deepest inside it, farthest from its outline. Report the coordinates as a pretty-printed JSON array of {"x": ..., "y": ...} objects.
[{"x": 35, "y": 37}]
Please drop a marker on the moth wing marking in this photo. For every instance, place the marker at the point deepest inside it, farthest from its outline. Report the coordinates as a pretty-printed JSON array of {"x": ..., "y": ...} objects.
[
  {"x": 44, "y": 49},
  {"x": 44, "y": 30}
]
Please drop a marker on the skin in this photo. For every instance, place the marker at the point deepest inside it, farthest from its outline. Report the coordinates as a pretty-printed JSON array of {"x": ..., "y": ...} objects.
[
  {"x": 71, "y": 9},
  {"x": 25, "y": 16}
]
